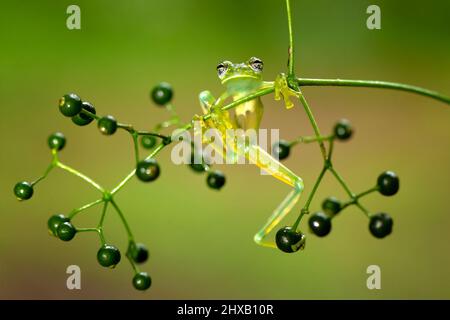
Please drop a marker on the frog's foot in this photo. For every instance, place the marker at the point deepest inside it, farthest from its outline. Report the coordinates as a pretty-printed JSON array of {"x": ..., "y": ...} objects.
[{"x": 282, "y": 89}]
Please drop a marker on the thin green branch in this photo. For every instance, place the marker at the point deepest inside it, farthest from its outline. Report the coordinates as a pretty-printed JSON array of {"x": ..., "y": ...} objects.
[
  {"x": 362, "y": 194},
  {"x": 310, "y": 139},
  {"x": 148, "y": 133},
  {"x": 135, "y": 136},
  {"x": 374, "y": 84},
  {"x": 49, "y": 169},
  {"x": 80, "y": 175},
  {"x": 313, "y": 122},
  {"x": 92, "y": 115},
  {"x": 131, "y": 174},
  {"x": 124, "y": 221},
  {"x": 291, "y": 40},
  {"x": 74, "y": 212},
  {"x": 342, "y": 182},
  {"x": 102, "y": 218}
]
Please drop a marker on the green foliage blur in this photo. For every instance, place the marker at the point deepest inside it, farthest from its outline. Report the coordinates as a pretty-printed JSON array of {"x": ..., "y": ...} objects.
[{"x": 200, "y": 240}]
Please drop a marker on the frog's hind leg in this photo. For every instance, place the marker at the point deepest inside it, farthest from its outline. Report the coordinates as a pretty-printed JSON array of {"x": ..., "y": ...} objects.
[{"x": 272, "y": 166}]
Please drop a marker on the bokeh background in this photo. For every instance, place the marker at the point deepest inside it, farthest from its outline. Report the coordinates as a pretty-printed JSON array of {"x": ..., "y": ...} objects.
[{"x": 201, "y": 240}]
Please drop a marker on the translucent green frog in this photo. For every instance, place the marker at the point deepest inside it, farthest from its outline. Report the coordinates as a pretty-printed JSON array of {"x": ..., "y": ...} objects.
[{"x": 241, "y": 80}]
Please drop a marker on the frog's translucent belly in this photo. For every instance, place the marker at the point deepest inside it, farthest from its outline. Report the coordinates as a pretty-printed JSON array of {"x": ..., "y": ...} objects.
[{"x": 248, "y": 115}]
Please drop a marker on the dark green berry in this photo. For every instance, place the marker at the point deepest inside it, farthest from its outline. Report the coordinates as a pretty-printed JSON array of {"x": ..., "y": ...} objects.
[
  {"x": 215, "y": 180},
  {"x": 82, "y": 119},
  {"x": 343, "y": 129},
  {"x": 162, "y": 93},
  {"x": 56, "y": 141},
  {"x": 66, "y": 231},
  {"x": 70, "y": 105},
  {"x": 142, "y": 281},
  {"x": 197, "y": 167},
  {"x": 108, "y": 256},
  {"x": 147, "y": 170},
  {"x": 23, "y": 190},
  {"x": 331, "y": 205},
  {"x": 148, "y": 142},
  {"x": 388, "y": 183},
  {"x": 289, "y": 241},
  {"x": 281, "y": 149},
  {"x": 138, "y": 252},
  {"x": 320, "y": 224},
  {"x": 380, "y": 225},
  {"x": 107, "y": 125},
  {"x": 54, "y": 222}
]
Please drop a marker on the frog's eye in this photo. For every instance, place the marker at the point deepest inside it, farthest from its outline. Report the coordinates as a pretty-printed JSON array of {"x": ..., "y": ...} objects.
[
  {"x": 221, "y": 69},
  {"x": 256, "y": 64}
]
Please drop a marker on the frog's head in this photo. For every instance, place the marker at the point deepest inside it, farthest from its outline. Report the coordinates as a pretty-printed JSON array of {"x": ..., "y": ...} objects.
[{"x": 250, "y": 71}]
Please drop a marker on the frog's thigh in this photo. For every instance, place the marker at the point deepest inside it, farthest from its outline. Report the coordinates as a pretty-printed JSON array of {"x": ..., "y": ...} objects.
[{"x": 249, "y": 114}]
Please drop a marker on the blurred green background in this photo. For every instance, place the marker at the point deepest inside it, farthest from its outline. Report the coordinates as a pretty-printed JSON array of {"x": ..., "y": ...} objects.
[{"x": 201, "y": 240}]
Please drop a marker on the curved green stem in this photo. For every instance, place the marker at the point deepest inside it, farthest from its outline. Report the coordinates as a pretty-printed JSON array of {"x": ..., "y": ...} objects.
[
  {"x": 373, "y": 84},
  {"x": 124, "y": 221},
  {"x": 74, "y": 212},
  {"x": 342, "y": 182},
  {"x": 131, "y": 174},
  {"x": 50, "y": 168},
  {"x": 313, "y": 122},
  {"x": 80, "y": 175}
]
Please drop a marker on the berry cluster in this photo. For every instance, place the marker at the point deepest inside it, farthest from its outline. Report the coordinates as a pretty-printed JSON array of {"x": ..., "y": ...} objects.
[
  {"x": 380, "y": 224},
  {"x": 147, "y": 170}
]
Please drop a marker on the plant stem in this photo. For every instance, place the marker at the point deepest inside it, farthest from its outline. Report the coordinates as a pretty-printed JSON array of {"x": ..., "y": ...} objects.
[
  {"x": 148, "y": 133},
  {"x": 313, "y": 122},
  {"x": 134, "y": 135},
  {"x": 87, "y": 230},
  {"x": 291, "y": 40},
  {"x": 80, "y": 175},
  {"x": 124, "y": 221},
  {"x": 342, "y": 182},
  {"x": 310, "y": 139},
  {"x": 373, "y": 84},
  {"x": 50, "y": 168},
  {"x": 102, "y": 218},
  {"x": 87, "y": 206},
  {"x": 131, "y": 174},
  {"x": 362, "y": 194}
]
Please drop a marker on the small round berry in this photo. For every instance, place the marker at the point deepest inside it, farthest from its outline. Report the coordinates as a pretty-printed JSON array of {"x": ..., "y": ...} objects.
[
  {"x": 54, "y": 222},
  {"x": 162, "y": 93},
  {"x": 56, "y": 141},
  {"x": 142, "y": 281},
  {"x": 215, "y": 180},
  {"x": 343, "y": 129},
  {"x": 107, "y": 125},
  {"x": 82, "y": 119},
  {"x": 66, "y": 231},
  {"x": 148, "y": 142},
  {"x": 388, "y": 183},
  {"x": 281, "y": 149},
  {"x": 380, "y": 225},
  {"x": 331, "y": 205},
  {"x": 289, "y": 240},
  {"x": 320, "y": 224},
  {"x": 138, "y": 252},
  {"x": 70, "y": 105},
  {"x": 108, "y": 256},
  {"x": 147, "y": 170},
  {"x": 197, "y": 167},
  {"x": 23, "y": 190}
]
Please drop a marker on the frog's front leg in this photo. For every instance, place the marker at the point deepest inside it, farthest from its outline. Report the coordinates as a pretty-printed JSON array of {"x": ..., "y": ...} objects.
[{"x": 282, "y": 89}]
